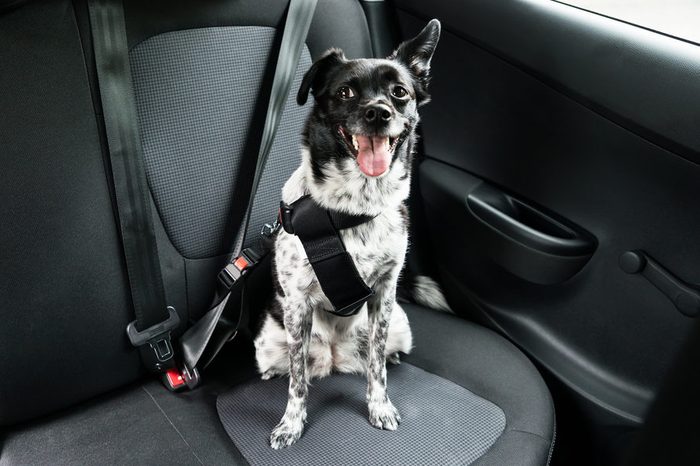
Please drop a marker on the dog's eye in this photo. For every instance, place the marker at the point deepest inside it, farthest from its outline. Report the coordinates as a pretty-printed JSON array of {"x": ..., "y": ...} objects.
[
  {"x": 399, "y": 92},
  {"x": 345, "y": 93}
]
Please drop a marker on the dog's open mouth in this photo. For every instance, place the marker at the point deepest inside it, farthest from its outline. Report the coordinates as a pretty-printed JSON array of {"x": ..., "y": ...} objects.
[{"x": 372, "y": 153}]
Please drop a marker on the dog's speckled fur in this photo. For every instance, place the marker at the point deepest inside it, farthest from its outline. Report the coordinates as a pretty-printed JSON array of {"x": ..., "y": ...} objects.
[{"x": 298, "y": 336}]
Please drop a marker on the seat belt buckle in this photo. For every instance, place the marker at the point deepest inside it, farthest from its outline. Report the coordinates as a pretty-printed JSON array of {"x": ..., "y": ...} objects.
[
  {"x": 156, "y": 336},
  {"x": 230, "y": 274},
  {"x": 177, "y": 380}
]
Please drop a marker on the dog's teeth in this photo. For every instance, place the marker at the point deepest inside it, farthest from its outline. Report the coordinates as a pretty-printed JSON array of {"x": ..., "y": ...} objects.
[{"x": 354, "y": 143}]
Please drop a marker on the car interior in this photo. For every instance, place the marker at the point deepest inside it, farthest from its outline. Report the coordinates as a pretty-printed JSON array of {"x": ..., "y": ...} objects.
[{"x": 554, "y": 199}]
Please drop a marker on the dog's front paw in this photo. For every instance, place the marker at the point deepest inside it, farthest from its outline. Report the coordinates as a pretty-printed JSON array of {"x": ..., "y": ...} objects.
[
  {"x": 286, "y": 433},
  {"x": 383, "y": 415}
]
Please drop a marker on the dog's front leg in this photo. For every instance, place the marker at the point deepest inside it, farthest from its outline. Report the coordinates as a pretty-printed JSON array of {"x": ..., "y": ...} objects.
[
  {"x": 297, "y": 321},
  {"x": 382, "y": 413}
]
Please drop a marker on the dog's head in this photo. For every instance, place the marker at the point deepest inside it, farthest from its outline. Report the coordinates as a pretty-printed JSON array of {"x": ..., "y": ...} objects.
[{"x": 366, "y": 110}]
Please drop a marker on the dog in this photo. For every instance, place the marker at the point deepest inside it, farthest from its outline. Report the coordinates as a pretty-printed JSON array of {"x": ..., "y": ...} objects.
[{"x": 357, "y": 150}]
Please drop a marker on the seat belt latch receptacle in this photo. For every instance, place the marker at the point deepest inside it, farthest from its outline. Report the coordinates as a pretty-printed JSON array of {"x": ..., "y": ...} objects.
[{"x": 156, "y": 336}]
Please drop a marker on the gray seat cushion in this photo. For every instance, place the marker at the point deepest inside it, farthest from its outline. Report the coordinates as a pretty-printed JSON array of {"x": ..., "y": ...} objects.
[
  {"x": 491, "y": 367},
  {"x": 500, "y": 411},
  {"x": 441, "y": 422},
  {"x": 465, "y": 393},
  {"x": 141, "y": 425}
]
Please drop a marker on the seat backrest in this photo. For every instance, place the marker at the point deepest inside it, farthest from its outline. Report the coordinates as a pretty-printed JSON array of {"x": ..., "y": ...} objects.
[
  {"x": 63, "y": 290},
  {"x": 197, "y": 68},
  {"x": 197, "y": 72}
]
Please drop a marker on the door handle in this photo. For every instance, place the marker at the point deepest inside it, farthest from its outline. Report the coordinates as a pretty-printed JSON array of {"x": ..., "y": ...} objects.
[
  {"x": 525, "y": 240},
  {"x": 526, "y": 224},
  {"x": 684, "y": 297}
]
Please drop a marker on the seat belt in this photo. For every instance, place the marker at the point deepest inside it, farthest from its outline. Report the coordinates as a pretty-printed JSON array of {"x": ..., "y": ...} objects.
[
  {"x": 203, "y": 335},
  {"x": 150, "y": 332}
]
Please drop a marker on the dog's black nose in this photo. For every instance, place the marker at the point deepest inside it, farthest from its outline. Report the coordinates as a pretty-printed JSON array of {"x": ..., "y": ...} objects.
[{"x": 378, "y": 112}]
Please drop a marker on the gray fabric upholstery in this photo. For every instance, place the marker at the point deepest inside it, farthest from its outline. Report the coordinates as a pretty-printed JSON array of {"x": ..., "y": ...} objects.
[
  {"x": 336, "y": 23},
  {"x": 451, "y": 353},
  {"x": 285, "y": 157},
  {"x": 142, "y": 425},
  {"x": 442, "y": 423},
  {"x": 488, "y": 365},
  {"x": 196, "y": 91},
  {"x": 443, "y": 385}
]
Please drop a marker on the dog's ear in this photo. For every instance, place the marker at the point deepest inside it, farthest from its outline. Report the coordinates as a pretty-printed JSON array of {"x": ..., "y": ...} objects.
[
  {"x": 316, "y": 76},
  {"x": 416, "y": 54}
]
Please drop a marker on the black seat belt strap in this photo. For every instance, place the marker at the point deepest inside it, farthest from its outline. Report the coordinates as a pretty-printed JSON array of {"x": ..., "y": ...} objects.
[
  {"x": 200, "y": 336},
  {"x": 154, "y": 319}
]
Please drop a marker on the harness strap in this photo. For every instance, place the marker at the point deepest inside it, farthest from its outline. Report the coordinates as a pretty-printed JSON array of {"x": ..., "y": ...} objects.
[{"x": 318, "y": 230}]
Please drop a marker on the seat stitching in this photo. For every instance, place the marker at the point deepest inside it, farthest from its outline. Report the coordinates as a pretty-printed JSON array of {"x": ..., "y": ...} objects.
[
  {"x": 173, "y": 425},
  {"x": 530, "y": 433}
]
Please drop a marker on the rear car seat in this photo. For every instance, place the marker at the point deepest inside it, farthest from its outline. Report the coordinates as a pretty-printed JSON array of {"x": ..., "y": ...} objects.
[{"x": 72, "y": 389}]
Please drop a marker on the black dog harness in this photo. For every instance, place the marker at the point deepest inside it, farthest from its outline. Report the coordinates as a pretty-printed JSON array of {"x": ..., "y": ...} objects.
[{"x": 318, "y": 230}]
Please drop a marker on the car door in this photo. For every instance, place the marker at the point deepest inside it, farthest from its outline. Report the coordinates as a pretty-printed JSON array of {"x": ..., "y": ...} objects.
[{"x": 559, "y": 192}]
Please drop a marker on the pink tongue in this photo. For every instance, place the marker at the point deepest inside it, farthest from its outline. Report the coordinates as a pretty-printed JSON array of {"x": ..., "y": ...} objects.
[{"x": 372, "y": 155}]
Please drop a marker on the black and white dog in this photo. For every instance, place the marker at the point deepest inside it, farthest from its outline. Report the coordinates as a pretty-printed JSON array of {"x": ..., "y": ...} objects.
[{"x": 356, "y": 158}]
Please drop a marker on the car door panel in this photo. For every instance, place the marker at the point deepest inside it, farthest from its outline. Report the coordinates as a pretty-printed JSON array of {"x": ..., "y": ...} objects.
[{"x": 514, "y": 111}]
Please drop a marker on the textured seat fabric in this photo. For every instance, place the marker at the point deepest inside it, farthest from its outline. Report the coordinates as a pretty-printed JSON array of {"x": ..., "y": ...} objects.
[
  {"x": 491, "y": 367},
  {"x": 141, "y": 425},
  {"x": 193, "y": 89},
  {"x": 472, "y": 369},
  {"x": 476, "y": 396},
  {"x": 441, "y": 422},
  {"x": 465, "y": 394},
  {"x": 197, "y": 72}
]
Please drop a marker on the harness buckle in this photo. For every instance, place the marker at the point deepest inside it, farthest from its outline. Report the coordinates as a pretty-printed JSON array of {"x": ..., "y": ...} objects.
[
  {"x": 235, "y": 269},
  {"x": 157, "y": 336},
  {"x": 285, "y": 217},
  {"x": 228, "y": 275},
  {"x": 269, "y": 229}
]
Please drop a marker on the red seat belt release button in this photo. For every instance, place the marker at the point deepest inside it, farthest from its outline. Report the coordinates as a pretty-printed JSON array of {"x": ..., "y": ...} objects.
[
  {"x": 174, "y": 380},
  {"x": 241, "y": 263}
]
